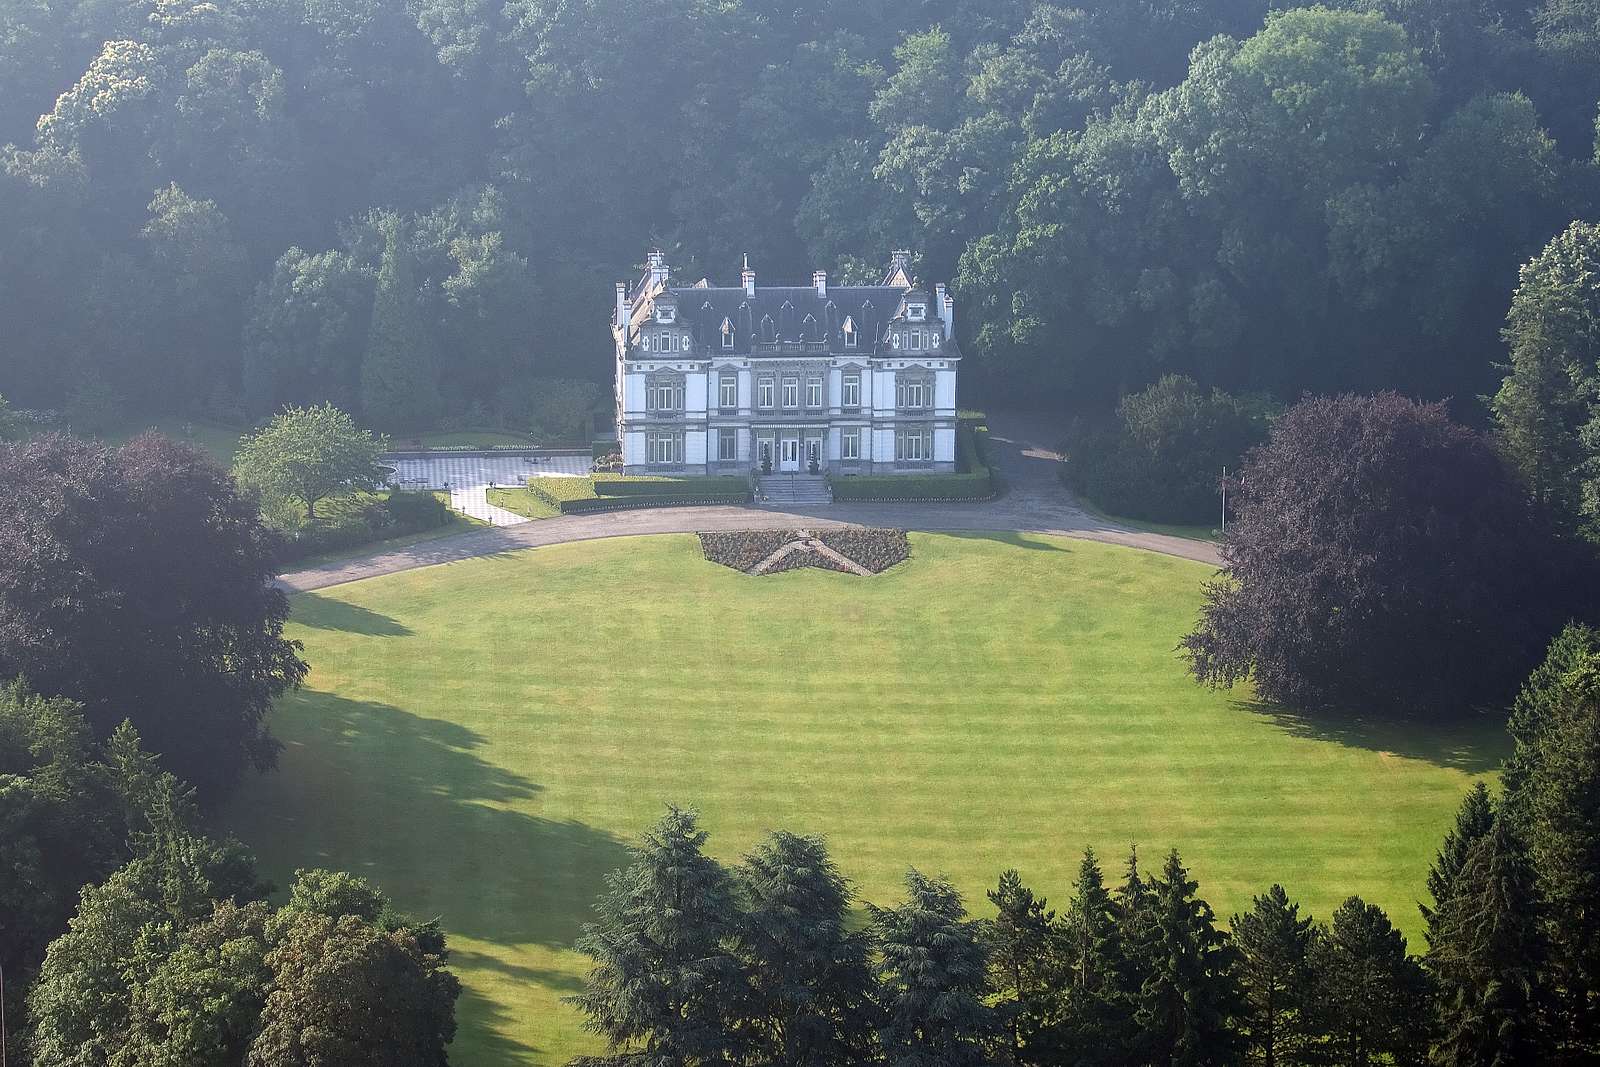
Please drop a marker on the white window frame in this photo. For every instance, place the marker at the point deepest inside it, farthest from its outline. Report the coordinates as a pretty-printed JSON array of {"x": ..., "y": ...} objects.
[
  {"x": 765, "y": 392},
  {"x": 728, "y": 392},
  {"x": 813, "y": 392},
  {"x": 912, "y": 395},
  {"x": 916, "y": 312},
  {"x": 849, "y": 338},
  {"x": 666, "y": 313},
  {"x": 791, "y": 393},
  {"x": 727, "y": 445},
  {"x": 913, "y": 445},
  {"x": 727, "y": 340},
  {"x": 663, "y": 448},
  {"x": 851, "y": 391},
  {"x": 850, "y": 443}
]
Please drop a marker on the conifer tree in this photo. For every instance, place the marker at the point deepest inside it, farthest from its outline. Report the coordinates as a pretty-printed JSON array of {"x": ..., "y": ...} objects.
[
  {"x": 1552, "y": 802},
  {"x": 665, "y": 982},
  {"x": 399, "y": 378},
  {"x": 1371, "y": 998},
  {"x": 810, "y": 996},
  {"x": 1473, "y": 822},
  {"x": 1097, "y": 1012},
  {"x": 935, "y": 980},
  {"x": 1274, "y": 944},
  {"x": 1137, "y": 933},
  {"x": 1489, "y": 961},
  {"x": 1190, "y": 1002},
  {"x": 1025, "y": 964}
]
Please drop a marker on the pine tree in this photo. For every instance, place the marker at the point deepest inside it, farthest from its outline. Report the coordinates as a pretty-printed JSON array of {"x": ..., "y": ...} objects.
[
  {"x": 1097, "y": 1011},
  {"x": 1489, "y": 961},
  {"x": 1274, "y": 944},
  {"x": 1190, "y": 1001},
  {"x": 810, "y": 996},
  {"x": 1137, "y": 931},
  {"x": 399, "y": 379},
  {"x": 1473, "y": 822},
  {"x": 935, "y": 980},
  {"x": 1025, "y": 965},
  {"x": 1552, "y": 803},
  {"x": 1370, "y": 997},
  {"x": 665, "y": 982}
]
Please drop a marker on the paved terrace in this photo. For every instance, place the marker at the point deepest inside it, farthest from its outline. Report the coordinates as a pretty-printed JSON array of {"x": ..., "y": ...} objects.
[{"x": 1035, "y": 503}]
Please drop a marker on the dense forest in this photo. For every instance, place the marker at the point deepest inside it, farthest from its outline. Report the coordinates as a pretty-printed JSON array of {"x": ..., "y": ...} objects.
[{"x": 216, "y": 208}]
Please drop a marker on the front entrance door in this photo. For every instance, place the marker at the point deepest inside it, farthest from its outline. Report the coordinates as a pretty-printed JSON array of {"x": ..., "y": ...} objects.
[{"x": 790, "y": 454}]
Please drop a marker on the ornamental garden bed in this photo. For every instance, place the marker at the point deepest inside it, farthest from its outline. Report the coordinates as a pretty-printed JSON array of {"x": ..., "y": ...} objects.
[{"x": 848, "y": 550}]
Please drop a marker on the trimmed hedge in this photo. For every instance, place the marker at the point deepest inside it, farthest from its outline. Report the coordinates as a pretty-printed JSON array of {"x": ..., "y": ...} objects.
[
  {"x": 647, "y": 485},
  {"x": 577, "y": 496}
]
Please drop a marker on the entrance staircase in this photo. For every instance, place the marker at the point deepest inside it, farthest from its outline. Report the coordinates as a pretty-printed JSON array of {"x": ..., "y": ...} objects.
[{"x": 794, "y": 490}]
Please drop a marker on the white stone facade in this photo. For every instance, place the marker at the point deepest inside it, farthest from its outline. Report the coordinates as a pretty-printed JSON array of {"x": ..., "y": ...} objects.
[{"x": 718, "y": 380}]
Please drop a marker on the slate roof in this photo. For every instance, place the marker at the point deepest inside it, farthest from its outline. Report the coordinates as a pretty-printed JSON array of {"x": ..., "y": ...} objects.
[{"x": 784, "y": 313}]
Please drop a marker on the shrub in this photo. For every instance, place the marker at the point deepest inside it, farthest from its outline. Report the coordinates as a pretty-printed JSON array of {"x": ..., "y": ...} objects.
[
  {"x": 1161, "y": 458},
  {"x": 416, "y": 511},
  {"x": 575, "y": 496},
  {"x": 604, "y": 449}
]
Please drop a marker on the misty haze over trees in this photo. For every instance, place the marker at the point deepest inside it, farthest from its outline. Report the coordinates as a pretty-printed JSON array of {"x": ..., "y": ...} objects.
[{"x": 221, "y": 208}]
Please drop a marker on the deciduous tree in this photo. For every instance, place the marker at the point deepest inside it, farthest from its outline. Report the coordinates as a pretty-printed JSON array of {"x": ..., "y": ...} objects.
[{"x": 307, "y": 455}]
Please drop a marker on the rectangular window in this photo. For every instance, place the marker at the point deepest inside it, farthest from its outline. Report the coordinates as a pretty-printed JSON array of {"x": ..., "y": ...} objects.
[
  {"x": 911, "y": 394},
  {"x": 849, "y": 338},
  {"x": 913, "y": 445},
  {"x": 728, "y": 396},
  {"x": 764, "y": 393},
  {"x": 852, "y": 390},
  {"x": 727, "y": 445},
  {"x": 791, "y": 392},
  {"x": 813, "y": 392},
  {"x": 851, "y": 444},
  {"x": 727, "y": 339},
  {"x": 664, "y": 448}
]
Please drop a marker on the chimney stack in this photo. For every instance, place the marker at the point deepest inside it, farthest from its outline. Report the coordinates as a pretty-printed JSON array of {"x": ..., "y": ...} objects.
[
  {"x": 658, "y": 267},
  {"x": 944, "y": 307},
  {"x": 748, "y": 277},
  {"x": 622, "y": 307},
  {"x": 819, "y": 278}
]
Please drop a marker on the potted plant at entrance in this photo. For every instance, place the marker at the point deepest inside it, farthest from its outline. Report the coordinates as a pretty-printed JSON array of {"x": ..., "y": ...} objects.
[
  {"x": 766, "y": 459},
  {"x": 812, "y": 465}
]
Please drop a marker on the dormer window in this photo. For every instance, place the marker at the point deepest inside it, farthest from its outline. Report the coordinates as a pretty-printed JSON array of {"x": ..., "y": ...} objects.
[
  {"x": 849, "y": 333},
  {"x": 727, "y": 335},
  {"x": 917, "y": 312},
  {"x": 666, "y": 313}
]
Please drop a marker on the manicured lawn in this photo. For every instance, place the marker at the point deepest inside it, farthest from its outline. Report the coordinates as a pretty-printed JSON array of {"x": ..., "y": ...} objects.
[
  {"x": 219, "y": 440},
  {"x": 485, "y": 738},
  {"x": 523, "y": 503},
  {"x": 1172, "y": 529}
]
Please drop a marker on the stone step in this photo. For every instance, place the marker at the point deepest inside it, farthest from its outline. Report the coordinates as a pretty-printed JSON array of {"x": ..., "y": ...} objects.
[{"x": 795, "y": 489}]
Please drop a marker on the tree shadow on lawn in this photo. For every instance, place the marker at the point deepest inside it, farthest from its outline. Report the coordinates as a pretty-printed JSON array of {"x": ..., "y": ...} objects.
[
  {"x": 1016, "y": 539},
  {"x": 327, "y": 613},
  {"x": 1476, "y": 743}
]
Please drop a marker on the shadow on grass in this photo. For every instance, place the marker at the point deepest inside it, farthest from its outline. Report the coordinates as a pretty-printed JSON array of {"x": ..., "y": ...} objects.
[
  {"x": 1016, "y": 539},
  {"x": 419, "y": 806},
  {"x": 326, "y": 613},
  {"x": 1477, "y": 743}
]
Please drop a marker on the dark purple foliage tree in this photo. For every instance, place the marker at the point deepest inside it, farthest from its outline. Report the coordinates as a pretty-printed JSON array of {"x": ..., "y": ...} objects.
[
  {"x": 1383, "y": 555},
  {"x": 137, "y": 582}
]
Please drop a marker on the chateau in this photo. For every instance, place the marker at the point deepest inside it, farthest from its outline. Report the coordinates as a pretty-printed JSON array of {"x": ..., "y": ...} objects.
[{"x": 720, "y": 379}]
